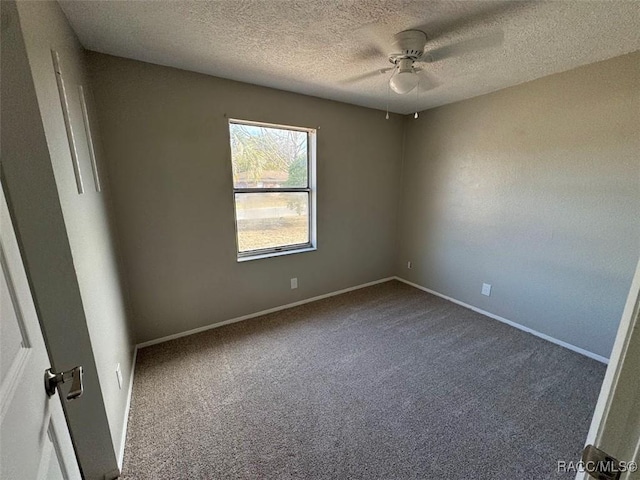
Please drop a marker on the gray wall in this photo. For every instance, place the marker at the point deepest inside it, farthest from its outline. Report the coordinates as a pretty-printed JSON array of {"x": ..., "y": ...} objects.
[
  {"x": 86, "y": 223},
  {"x": 536, "y": 190},
  {"x": 166, "y": 145}
]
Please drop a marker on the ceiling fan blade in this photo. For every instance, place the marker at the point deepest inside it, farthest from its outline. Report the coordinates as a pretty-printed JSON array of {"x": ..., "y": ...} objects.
[
  {"x": 464, "y": 47},
  {"x": 427, "y": 80},
  {"x": 377, "y": 42},
  {"x": 482, "y": 14},
  {"x": 370, "y": 52},
  {"x": 364, "y": 76}
]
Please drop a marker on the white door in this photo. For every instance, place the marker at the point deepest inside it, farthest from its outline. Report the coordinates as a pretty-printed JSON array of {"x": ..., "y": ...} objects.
[
  {"x": 34, "y": 439},
  {"x": 615, "y": 428}
]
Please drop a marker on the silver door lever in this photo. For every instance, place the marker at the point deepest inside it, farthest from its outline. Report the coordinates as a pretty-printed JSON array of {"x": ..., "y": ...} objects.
[{"x": 52, "y": 380}]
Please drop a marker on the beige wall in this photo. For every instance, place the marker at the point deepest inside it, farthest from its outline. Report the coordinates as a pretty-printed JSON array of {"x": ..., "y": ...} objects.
[
  {"x": 87, "y": 225},
  {"x": 536, "y": 190},
  {"x": 166, "y": 145}
]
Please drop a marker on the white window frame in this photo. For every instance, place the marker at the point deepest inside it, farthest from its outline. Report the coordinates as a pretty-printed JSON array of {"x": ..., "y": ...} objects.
[{"x": 310, "y": 189}]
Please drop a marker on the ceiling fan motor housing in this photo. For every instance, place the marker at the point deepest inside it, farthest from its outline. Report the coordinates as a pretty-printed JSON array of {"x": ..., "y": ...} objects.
[{"x": 410, "y": 45}]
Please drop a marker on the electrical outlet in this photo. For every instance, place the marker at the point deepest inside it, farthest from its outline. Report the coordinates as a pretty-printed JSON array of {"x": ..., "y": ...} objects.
[
  {"x": 486, "y": 289},
  {"x": 294, "y": 283},
  {"x": 119, "y": 375},
  {"x": 409, "y": 265}
]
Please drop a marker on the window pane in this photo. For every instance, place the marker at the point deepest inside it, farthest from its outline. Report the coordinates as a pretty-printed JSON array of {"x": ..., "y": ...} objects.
[
  {"x": 267, "y": 157},
  {"x": 269, "y": 220}
]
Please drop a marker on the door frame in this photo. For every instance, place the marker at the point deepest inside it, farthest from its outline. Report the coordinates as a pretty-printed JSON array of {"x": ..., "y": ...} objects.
[{"x": 613, "y": 379}]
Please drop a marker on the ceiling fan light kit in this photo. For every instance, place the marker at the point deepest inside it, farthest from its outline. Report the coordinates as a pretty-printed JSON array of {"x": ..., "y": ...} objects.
[{"x": 404, "y": 79}]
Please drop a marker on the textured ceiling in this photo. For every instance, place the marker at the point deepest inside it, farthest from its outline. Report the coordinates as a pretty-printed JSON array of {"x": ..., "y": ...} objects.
[{"x": 314, "y": 46}]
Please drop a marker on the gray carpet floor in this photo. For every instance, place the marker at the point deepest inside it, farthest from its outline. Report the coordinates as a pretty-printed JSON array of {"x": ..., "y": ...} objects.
[{"x": 386, "y": 382}]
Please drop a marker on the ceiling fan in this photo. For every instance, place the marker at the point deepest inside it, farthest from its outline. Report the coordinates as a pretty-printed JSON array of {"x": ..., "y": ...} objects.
[
  {"x": 471, "y": 32},
  {"x": 410, "y": 45},
  {"x": 409, "y": 52}
]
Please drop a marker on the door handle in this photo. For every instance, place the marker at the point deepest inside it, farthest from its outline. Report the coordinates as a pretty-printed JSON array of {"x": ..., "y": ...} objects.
[{"x": 52, "y": 380}]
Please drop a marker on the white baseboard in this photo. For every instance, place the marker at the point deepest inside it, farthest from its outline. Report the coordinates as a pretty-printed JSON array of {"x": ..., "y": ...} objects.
[
  {"x": 544, "y": 336},
  {"x": 260, "y": 313},
  {"x": 126, "y": 410}
]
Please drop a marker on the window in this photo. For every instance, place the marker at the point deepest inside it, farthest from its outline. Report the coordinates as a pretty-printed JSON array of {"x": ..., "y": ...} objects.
[{"x": 273, "y": 188}]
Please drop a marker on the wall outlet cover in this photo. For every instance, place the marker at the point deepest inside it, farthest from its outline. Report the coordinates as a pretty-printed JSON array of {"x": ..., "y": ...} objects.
[
  {"x": 294, "y": 283},
  {"x": 486, "y": 289}
]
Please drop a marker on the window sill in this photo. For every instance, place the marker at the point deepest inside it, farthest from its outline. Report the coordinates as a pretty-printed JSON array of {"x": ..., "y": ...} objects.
[{"x": 276, "y": 254}]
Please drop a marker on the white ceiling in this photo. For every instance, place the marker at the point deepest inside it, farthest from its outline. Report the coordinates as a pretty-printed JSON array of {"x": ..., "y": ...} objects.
[{"x": 313, "y": 46}]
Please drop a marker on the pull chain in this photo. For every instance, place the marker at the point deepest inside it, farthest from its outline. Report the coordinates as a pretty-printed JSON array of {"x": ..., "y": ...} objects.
[
  {"x": 415, "y": 115},
  {"x": 388, "y": 96}
]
